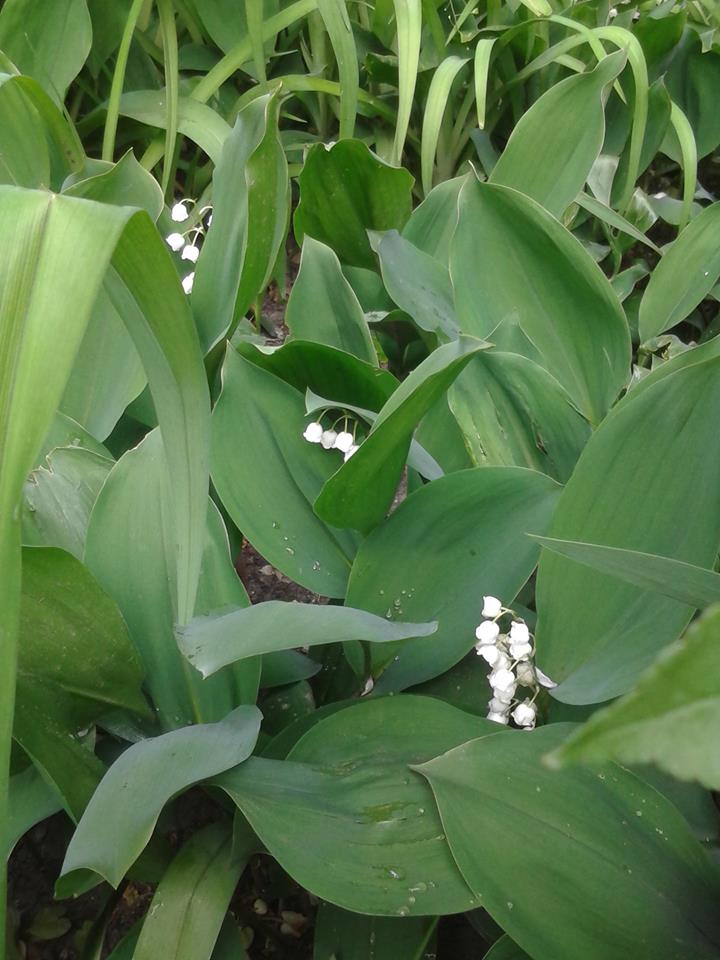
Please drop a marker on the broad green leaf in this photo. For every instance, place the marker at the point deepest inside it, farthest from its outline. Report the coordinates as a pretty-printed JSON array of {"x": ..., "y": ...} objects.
[
  {"x": 435, "y": 105},
  {"x": 691, "y": 80},
  {"x": 65, "y": 432},
  {"x": 344, "y": 192},
  {"x": 58, "y": 497},
  {"x": 196, "y": 121},
  {"x": 408, "y": 21},
  {"x": 361, "y": 491},
  {"x": 596, "y": 634},
  {"x": 125, "y": 184},
  {"x": 48, "y": 40},
  {"x": 58, "y": 694},
  {"x": 554, "y": 145},
  {"x": 250, "y": 188},
  {"x": 419, "y": 285},
  {"x": 365, "y": 834},
  {"x": 505, "y": 949},
  {"x": 221, "y": 638},
  {"x": 268, "y": 476},
  {"x": 122, "y": 814},
  {"x": 469, "y": 529},
  {"x": 692, "y": 585},
  {"x": 129, "y": 549},
  {"x": 512, "y": 412},
  {"x": 339, "y": 933},
  {"x": 625, "y": 877},
  {"x": 668, "y": 719},
  {"x": 108, "y": 373},
  {"x": 323, "y": 307},
  {"x": 31, "y": 800},
  {"x": 513, "y": 263},
  {"x": 337, "y": 23},
  {"x": 191, "y": 900},
  {"x": 431, "y": 225},
  {"x": 686, "y": 274}
]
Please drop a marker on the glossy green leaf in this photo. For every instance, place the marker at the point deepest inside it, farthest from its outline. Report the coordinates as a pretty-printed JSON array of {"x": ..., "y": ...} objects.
[
  {"x": 361, "y": 491},
  {"x": 668, "y": 718},
  {"x": 418, "y": 284},
  {"x": 431, "y": 225},
  {"x": 563, "y": 303},
  {"x": 337, "y": 23},
  {"x": 125, "y": 183},
  {"x": 626, "y": 878},
  {"x": 695, "y": 586},
  {"x": 686, "y": 274},
  {"x": 435, "y": 105},
  {"x": 554, "y": 145},
  {"x": 691, "y": 80},
  {"x": 64, "y": 609},
  {"x": 344, "y": 192},
  {"x": 196, "y": 121},
  {"x": 505, "y": 949},
  {"x": 213, "y": 641},
  {"x": 408, "y": 21},
  {"x": 114, "y": 831},
  {"x": 58, "y": 497},
  {"x": 512, "y": 412},
  {"x": 129, "y": 549},
  {"x": 249, "y": 220},
  {"x": 469, "y": 529},
  {"x": 268, "y": 476},
  {"x": 31, "y": 800},
  {"x": 339, "y": 933},
  {"x": 191, "y": 900},
  {"x": 323, "y": 307},
  {"x": 48, "y": 40},
  {"x": 365, "y": 833},
  {"x": 596, "y": 634}
]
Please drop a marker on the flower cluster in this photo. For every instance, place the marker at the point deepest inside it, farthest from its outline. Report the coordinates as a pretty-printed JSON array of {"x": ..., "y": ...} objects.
[
  {"x": 330, "y": 439},
  {"x": 510, "y": 655},
  {"x": 180, "y": 242}
]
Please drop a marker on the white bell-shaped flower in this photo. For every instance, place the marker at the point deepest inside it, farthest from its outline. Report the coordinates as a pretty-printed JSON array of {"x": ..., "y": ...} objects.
[
  {"x": 502, "y": 681},
  {"x": 343, "y": 441},
  {"x": 351, "y": 452},
  {"x": 498, "y": 706},
  {"x": 525, "y": 714},
  {"x": 179, "y": 212},
  {"x": 519, "y": 642},
  {"x": 491, "y": 607},
  {"x": 491, "y": 654},
  {"x": 187, "y": 282},
  {"x": 313, "y": 432},
  {"x": 175, "y": 241},
  {"x": 191, "y": 252},
  {"x": 487, "y": 632},
  {"x": 498, "y": 717},
  {"x": 328, "y": 439},
  {"x": 526, "y": 674}
]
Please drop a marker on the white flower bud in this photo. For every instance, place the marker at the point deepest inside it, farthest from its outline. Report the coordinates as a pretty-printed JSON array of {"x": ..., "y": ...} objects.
[
  {"x": 179, "y": 212},
  {"x": 343, "y": 441},
  {"x": 191, "y": 252},
  {"x": 328, "y": 439},
  {"x": 313, "y": 432},
  {"x": 491, "y": 607},
  {"x": 187, "y": 282},
  {"x": 487, "y": 632},
  {"x": 351, "y": 452},
  {"x": 502, "y": 681},
  {"x": 526, "y": 674},
  {"x": 175, "y": 241},
  {"x": 498, "y": 717},
  {"x": 525, "y": 714}
]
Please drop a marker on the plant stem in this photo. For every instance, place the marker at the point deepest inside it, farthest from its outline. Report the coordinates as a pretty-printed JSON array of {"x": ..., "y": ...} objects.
[
  {"x": 113, "y": 109},
  {"x": 9, "y": 621}
]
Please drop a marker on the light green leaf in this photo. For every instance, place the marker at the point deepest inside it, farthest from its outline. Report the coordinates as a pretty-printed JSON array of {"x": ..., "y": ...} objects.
[
  {"x": 344, "y": 192},
  {"x": 685, "y": 582},
  {"x": 355, "y": 805},
  {"x": 554, "y": 145},
  {"x": 668, "y": 719},
  {"x": 48, "y": 40},
  {"x": 113, "y": 831},
  {"x": 216, "y": 640},
  {"x": 686, "y": 274},
  {"x": 408, "y": 21},
  {"x": 435, "y": 105},
  {"x": 323, "y": 307},
  {"x": 125, "y": 183},
  {"x": 469, "y": 531},
  {"x": 512, "y": 263},
  {"x": 595, "y": 634},
  {"x": 513, "y": 413},
  {"x": 31, "y": 800},
  {"x": 268, "y": 476},
  {"x": 431, "y": 225},
  {"x": 196, "y": 121},
  {"x": 337, "y": 23},
  {"x": 626, "y": 877},
  {"x": 360, "y": 492}
]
